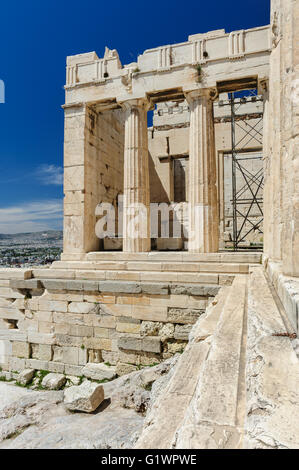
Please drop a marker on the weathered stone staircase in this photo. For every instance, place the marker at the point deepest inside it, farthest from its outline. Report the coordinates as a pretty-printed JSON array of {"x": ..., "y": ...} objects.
[
  {"x": 208, "y": 268},
  {"x": 236, "y": 384}
]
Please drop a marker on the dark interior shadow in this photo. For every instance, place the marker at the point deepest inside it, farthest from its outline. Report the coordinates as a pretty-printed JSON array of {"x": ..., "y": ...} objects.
[{"x": 157, "y": 191}]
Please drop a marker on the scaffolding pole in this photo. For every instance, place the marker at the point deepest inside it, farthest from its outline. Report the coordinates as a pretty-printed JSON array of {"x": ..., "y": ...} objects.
[{"x": 253, "y": 182}]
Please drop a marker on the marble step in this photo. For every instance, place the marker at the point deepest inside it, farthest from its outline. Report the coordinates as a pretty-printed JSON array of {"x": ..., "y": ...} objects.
[
  {"x": 116, "y": 275},
  {"x": 175, "y": 256},
  {"x": 214, "y": 416},
  {"x": 154, "y": 266},
  {"x": 168, "y": 411}
]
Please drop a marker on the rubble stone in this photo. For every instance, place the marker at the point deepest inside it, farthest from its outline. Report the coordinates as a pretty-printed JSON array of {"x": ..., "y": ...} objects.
[
  {"x": 53, "y": 381},
  {"x": 86, "y": 397}
]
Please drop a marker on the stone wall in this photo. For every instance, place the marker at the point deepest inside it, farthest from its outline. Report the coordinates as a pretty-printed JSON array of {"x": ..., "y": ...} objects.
[
  {"x": 93, "y": 171},
  {"x": 61, "y": 325},
  {"x": 281, "y": 146}
]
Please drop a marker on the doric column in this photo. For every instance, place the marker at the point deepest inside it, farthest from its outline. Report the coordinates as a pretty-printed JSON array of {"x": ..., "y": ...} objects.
[
  {"x": 203, "y": 234},
  {"x": 136, "y": 223}
]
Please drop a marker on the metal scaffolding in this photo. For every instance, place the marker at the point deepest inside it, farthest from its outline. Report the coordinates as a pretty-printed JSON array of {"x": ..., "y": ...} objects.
[
  {"x": 252, "y": 183},
  {"x": 247, "y": 185}
]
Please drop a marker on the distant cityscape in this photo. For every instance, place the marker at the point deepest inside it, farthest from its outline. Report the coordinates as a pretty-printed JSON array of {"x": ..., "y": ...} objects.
[{"x": 30, "y": 249}]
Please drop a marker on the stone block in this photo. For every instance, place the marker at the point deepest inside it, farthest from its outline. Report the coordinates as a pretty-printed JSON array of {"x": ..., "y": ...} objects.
[
  {"x": 26, "y": 376},
  {"x": 86, "y": 397},
  {"x": 13, "y": 335},
  {"x": 11, "y": 313},
  {"x": 56, "y": 367},
  {"x": 15, "y": 273},
  {"x": 150, "y": 313},
  {"x": 26, "y": 284},
  {"x": 101, "y": 332},
  {"x": 127, "y": 325},
  {"x": 94, "y": 275},
  {"x": 99, "y": 298},
  {"x": 70, "y": 355},
  {"x": 133, "y": 299},
  {"x": 183, "y": 315},
  {"x": 194, "y": 289},
  {"x": 18, "y": 364},
  {"x": 78, "y": 330},
  {"x": 151, "y": 344},
  {"x": 41, "y": 338},
  {"x": 21, "y": 349},
  {"x": 57, "y": 353},
  {"x": 78, "y": 285},
  {"x": 37, "y": 364},
  {"x": 99, "y": 371},
  {"x": 46, "y": 327},
  {"x": 182, "y": 332},
  {"x": 130, "y": 342},
  {"x": 104, "y": 321},
  {"x": 59, "y": 275},
  {"x": 120, "y": 287},
  {"x": 98, "y": 343},
  {"x": 52, "y": 305},
  {"x": 80, "y": 307},
  {"x": 53, "y": 284},
  {"x": 43, "y": 315},
  {"x": 45, "y": 352},
  {"x": 61, "y": 329},
  {"x": 127, "y": 328},
  {"x": 155, "y": 288},
  {"x": 82, "y": 356},
  {"x": 54, "y": 381},
  {"x": 67, "y": 340},
  {"x": 69, "y": 296},
  {"x": 125, "y": 276}
]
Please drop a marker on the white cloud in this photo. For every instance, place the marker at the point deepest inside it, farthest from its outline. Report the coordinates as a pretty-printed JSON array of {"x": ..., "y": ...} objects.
[
  {"x": 50, "y": 174},
  {"x": 32, "y": 217}
]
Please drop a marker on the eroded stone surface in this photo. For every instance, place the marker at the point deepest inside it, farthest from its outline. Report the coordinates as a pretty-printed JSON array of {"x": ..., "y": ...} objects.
[
  {"x": 272, "y": 374},
  {"x": 38, "y": 420}
]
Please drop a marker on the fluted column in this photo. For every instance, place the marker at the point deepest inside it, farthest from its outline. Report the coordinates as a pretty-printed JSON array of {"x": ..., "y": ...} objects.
[
  {"x": 203, "y": 234},
  {"x": 136, "y": 223}
]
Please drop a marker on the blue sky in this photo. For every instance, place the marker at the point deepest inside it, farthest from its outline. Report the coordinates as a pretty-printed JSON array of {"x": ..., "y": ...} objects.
[{"x": 35, "y": 38}]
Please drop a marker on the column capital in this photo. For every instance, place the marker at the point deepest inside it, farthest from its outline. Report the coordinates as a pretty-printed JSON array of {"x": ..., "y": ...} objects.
[
  {"x": 143, "y": 103},
  {"x": 209, "y": 93}
]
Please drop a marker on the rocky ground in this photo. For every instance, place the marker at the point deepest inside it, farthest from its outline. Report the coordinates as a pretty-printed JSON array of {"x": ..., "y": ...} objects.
[{"x": 31, "y": 419}]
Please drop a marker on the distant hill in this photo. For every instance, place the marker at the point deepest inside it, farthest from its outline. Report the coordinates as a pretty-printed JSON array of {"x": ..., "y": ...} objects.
[{"x": 44, "y": 235}]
